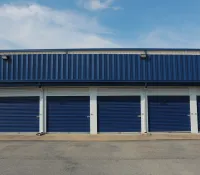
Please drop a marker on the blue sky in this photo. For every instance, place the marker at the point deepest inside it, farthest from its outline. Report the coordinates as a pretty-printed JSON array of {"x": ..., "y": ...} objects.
[{"x": 99, "y": 23}]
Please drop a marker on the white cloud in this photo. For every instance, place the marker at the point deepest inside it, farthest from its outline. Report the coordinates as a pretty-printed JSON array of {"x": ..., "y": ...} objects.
[
  {"x": 98, "y": 4},
  {"x": 34, "y": 26},
  {"x": 167, "y": 37}
]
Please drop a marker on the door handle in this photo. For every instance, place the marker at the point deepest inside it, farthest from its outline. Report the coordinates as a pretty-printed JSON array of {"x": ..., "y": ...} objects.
[
  {"x": 88, "y": 116},
  {"x": 38, "y": 116},
  {"x": 139, "y": 116}
]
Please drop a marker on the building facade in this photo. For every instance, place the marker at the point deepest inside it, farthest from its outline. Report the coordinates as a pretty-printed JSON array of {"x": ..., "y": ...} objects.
[{"x": 100, "y": 90}]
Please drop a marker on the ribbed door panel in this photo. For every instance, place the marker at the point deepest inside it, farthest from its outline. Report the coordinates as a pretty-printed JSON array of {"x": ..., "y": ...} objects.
[
  {"x": 169, "y": 114},
  {"x": 119, "y": 114},
  {"x": 19, "y": 114},
  {"x": 68, "y": 114}
]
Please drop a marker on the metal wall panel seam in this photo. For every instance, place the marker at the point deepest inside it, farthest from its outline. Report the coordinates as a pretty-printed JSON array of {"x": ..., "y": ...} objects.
[
  {"x": 92, "y": 64},
  {"x": 12, "y": 68},
  {"x": 108, "y": 67},
  {"x": 16, "y": 68},
  {"x": 51, "y": 71},
  {"x": 76, "y": 76},
  {"x": 41, "y": 67},
  {"x": 62, "y": 67},
  {"x": 97, "y": 58},
  {"x": 7, "y": 71},
  {"x": 36, "y": 66},
  {"x": 103, "y": 68},
  {"x": 87, "y": 68},
  {"x": 123, "y": 66},
  {"x": 46, "y": 67},
  {"x": 56, "y": 71},
  {"x": 21, "y": 60},
  {"x": 27, "y": 67},
  {"x": 67, "y": 65},
  {"x": 31, "y": 68}
]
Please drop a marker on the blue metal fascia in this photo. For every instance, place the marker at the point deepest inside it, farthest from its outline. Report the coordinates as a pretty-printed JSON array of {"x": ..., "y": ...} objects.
[{"x": 86, "y": 84}]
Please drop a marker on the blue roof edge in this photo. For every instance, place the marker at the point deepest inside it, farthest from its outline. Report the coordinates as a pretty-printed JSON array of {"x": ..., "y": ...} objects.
[{"x": 99, "y": 49}]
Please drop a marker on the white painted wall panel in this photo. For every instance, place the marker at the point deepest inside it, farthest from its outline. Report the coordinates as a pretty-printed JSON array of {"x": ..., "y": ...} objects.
[
  {"x": 118, "y": 91},
  {"x": 197, "y": 91},
  {"x": 167, "y": 91},
  {"x": 67, "y": 91},
  {"x": 19, "y": 92}
]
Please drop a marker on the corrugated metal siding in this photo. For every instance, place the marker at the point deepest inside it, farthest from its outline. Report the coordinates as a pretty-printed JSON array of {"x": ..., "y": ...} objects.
[
  {"x": 119, "y": 114},
  {"x": 68, "y": 114},
  {"x": 19, "y": 114},
  {"x": 100, "y": 67},
  {"x": 169, "y": 114},
  {"x": 173, "y": 68}
]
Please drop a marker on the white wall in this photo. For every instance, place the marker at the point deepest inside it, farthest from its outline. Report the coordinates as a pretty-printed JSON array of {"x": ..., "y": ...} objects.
[
  {"x": 93, "y": 92},
  {"x": 19, "y": 92}
]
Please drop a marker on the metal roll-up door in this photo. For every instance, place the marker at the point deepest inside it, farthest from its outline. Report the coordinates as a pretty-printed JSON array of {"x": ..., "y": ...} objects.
[
  {"x": 169, "y": 114},
  {"x": 68, "y": 114},
  {"x": 19, "y": 114},
  {"x": 119, "y": 114}
]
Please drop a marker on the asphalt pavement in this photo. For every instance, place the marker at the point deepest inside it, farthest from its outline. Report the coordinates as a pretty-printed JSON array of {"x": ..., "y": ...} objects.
[{"x": 98, "y": 158}]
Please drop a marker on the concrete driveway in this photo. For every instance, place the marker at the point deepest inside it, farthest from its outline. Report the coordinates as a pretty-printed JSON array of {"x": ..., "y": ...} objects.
[{"x": 99, "y": 158}]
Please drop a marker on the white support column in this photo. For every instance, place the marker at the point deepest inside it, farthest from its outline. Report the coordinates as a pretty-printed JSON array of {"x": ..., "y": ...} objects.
[
  {"x": 42, "y": 115},
  {"x": 93, "y": 110},
  {"x": 144, "y": 111},
  {"x": 193, "y": 110}
]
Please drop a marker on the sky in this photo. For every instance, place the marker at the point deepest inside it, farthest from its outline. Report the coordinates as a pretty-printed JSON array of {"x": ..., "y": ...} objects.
[{"x": 48, "y": 24}]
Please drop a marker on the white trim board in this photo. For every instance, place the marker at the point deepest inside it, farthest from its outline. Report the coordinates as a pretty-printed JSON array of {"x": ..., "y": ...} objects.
[
  {"x": 151, "y": 52},
  {"x": 19, "y": 92},
  {"x": 67, "y": 91},
  {"x": 101, "y": 91}
]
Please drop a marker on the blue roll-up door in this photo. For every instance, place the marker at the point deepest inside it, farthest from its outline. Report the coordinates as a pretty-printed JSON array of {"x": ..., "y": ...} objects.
[
  {"x": 169, "y": 114},
  {"x": 119, "y": 114},
  {"x": 19, "y": 114},
  {"x": 68, "y": 114}
]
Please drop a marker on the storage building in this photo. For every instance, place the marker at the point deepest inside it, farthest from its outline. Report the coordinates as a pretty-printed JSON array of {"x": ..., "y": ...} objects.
[{"x": 100, "y": 90}]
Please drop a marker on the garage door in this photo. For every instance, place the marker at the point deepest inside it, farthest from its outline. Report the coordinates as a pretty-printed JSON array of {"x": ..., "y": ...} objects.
[
  {"x": 169, "y": 114},
  {"x": 19, "y": 114},
  {"x": 119, "y": 114},
  {"x": 68, "y": 114}
]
